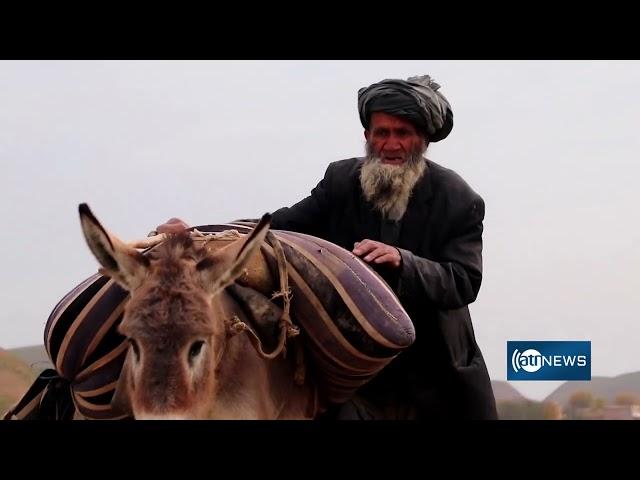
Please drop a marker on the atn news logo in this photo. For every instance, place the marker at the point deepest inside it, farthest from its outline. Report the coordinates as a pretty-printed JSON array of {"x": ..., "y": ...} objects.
[{"x": 549, "y": 360}]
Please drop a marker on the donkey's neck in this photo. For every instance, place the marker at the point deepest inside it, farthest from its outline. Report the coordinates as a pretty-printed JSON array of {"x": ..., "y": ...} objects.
[{"x": 252, "y": 387}]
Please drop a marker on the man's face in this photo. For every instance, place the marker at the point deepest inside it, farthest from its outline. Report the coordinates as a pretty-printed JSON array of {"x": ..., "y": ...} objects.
[
  {"x": 393, "y": 165},
  {"x": 392, "y": 139}
]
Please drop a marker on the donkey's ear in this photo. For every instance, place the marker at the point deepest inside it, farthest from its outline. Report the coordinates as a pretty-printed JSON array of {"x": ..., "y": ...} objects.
[
  {"x": 124, "y": 264},
  {"x": 225, "y": 266}
]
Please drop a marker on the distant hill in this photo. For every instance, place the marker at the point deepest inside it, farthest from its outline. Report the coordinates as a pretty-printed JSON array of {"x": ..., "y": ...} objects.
[
  {"x": 600, "y": 387},
  {"x": 15, "y": 379},
  {"x": 34, "y": 356},
  {"x": 505, "y": 392}
]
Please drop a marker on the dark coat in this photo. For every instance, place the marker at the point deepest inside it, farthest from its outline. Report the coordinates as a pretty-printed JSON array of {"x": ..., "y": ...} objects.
[{"x": 443, "y": 374}]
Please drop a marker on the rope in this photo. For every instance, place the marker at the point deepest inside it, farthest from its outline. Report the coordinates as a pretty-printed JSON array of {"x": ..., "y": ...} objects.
[{"x": 287, "y": 328}]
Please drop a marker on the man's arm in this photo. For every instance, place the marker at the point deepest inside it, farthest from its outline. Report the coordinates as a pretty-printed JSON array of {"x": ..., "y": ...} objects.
[
  {"x": 453, "y": 280},
  {"x": 309, "y": 215}
]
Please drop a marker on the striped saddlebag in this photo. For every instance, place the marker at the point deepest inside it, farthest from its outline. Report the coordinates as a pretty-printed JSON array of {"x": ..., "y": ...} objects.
[{"x": 351, "y": 325}]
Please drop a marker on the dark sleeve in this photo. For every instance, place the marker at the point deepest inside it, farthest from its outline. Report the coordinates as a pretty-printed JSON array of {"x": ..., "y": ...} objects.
[
  {"x": 309, "y": 215},
  {"x": 452, "y": 281}
]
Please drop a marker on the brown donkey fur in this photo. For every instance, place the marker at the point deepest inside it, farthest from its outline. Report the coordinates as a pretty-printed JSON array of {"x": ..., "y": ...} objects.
[{"x": 184, "y": 362}]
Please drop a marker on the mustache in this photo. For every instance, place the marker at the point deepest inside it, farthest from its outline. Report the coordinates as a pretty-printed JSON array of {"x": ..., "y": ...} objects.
[{"x": 413, "y": 156}]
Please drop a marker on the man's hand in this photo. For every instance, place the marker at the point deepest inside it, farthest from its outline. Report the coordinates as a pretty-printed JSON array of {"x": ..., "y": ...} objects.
[
  {"x": 378, "y": 253},
  {"x": 173, "y": 225}
]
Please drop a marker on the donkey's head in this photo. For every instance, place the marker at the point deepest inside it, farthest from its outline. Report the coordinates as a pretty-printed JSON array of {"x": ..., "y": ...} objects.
[{"x": 173, "y": 320}]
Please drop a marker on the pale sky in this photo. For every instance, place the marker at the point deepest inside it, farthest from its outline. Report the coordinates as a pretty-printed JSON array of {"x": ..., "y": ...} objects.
[{"x": 552, "y": 147}]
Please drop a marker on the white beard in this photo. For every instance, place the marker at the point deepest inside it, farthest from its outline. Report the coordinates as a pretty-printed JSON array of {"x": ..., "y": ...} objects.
[{"x": 389, "y": 187}]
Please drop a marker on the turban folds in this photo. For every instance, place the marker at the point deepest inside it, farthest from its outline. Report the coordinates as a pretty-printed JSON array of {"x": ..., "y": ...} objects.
[{"x": 416, "y": 99}]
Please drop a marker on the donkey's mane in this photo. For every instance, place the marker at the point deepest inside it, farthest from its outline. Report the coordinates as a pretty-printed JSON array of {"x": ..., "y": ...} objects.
[{"x": 177, "y": 247}]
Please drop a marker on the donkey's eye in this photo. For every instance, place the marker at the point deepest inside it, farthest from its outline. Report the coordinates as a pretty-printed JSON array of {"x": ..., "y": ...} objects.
[
  {"x": 195, "y": 349},
  {"x": 136, "y": 349}
]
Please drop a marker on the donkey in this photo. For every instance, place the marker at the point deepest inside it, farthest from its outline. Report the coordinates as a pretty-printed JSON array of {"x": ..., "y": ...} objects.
[{"x": 185, "y": 359}]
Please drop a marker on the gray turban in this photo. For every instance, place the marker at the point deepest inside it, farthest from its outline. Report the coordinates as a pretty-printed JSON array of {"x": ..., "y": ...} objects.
[{"x": 417, "y": 99}]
